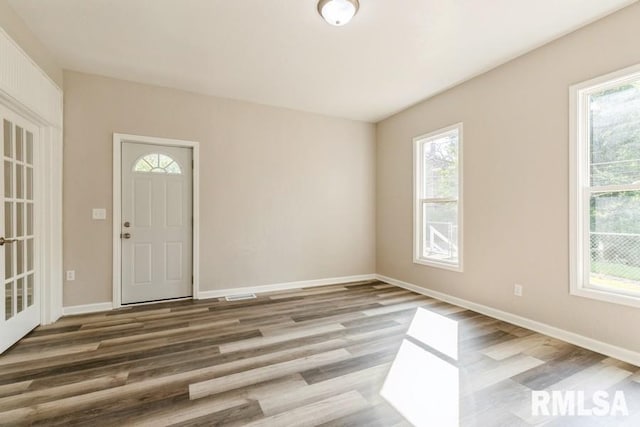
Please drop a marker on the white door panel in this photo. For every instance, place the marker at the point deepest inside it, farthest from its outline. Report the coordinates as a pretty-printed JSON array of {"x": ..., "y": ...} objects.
[
  {"x": 19, "y": 290},
  {"x": 157, "y": 184}
]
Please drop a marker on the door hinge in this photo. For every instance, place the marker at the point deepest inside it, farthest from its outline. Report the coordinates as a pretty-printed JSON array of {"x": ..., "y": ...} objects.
[{"x": 192, "y": 280}]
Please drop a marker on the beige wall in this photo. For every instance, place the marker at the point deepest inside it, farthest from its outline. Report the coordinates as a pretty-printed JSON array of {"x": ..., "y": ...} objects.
[
  {"x": 285, "y": 195},
  {"x": 13, "y": 25},
  {"x": 516, "y": 145}
]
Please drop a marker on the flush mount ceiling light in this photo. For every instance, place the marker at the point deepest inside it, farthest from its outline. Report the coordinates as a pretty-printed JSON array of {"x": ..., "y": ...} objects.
[{"x": 338, "y": 12}]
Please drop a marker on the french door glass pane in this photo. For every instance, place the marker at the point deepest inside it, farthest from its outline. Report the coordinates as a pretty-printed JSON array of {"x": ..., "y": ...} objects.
[
  {"x": 8, "y": 301},
  {"x": 19, "y": 257},
  {"x": 8, "y": 219},
  {"x": 8, "y": 140},
  {"x": 19, "y": 181},
  {"x": 20, "y": 295},
  {"x": 615, "y": 135},
  {"x": 30, "y": 297},
  {"x": 440, "y": 231},
  {"x": 19, "y": 143},
  {"x": 19, "y": 219},
  {"x": 29, "y": 183},
  {"x": 8, "y": 261},
  {"x": 615, "y": 240},
  {"x": 30, "y": 254},
  {"x": 29, "y": 148},
  {"x": 8, "y": 179},
  {"x": 30, "y": 219}
]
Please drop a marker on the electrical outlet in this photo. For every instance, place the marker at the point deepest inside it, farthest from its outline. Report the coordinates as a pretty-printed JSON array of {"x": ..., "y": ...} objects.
[
  {"x": 71, "y": 275},
  {"x": 517, "y": 290},
  {"x": 99, "y": 213}
]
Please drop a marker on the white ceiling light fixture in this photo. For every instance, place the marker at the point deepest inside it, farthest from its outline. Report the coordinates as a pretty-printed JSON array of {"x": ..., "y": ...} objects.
[{"x": 338, "y": 12}]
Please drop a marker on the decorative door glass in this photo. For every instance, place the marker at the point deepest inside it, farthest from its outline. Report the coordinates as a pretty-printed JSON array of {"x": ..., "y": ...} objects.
[{"x": 18, "y": 213}]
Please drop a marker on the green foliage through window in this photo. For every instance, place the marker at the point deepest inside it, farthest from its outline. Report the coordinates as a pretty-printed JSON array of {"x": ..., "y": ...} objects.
[{"x": 614, "y": 148}]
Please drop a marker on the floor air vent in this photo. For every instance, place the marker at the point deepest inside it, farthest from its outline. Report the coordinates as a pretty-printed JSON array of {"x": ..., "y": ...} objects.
[{"x": 240, "y": 297}]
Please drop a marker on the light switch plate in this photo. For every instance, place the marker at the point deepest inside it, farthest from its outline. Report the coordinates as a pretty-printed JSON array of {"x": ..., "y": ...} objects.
[{"x": 99, "y": 213}]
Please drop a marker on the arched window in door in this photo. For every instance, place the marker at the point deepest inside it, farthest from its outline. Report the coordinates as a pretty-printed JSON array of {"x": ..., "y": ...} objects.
[{"x": 157, "y": 163}]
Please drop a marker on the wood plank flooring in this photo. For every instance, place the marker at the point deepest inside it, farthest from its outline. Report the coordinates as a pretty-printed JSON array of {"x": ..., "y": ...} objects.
[{"x": 342, "y": 355}]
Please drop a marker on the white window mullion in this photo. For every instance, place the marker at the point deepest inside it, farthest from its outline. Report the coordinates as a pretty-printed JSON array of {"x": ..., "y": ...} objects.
[{"x": 615, "y": 188}]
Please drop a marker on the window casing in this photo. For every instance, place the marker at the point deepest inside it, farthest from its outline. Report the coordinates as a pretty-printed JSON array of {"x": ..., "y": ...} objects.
[
  {"x": 438, "y": 198},
  {"x": 605, "y": 188}
]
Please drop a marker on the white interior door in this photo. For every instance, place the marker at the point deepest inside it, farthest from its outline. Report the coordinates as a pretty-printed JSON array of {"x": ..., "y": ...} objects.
[
  {"x": 20, "y": 308},
  {"x": 157, "y": 222}
]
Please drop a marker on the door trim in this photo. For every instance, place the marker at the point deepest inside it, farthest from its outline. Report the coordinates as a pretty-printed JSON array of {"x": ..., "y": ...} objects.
[{"x": 118, "y": 140}]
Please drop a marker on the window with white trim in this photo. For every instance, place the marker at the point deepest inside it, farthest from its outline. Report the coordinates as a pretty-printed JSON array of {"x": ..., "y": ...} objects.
[
  {"x": 438, "y": 198},
  {"x": 605, "y": 202}
]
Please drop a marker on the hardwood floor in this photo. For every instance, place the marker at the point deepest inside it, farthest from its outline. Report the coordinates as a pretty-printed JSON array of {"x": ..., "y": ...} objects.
[{"x": 318, "y": 356}]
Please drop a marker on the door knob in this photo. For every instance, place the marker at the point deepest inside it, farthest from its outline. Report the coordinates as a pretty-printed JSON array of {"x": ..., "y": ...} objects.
[
  {"x": 125, "y": 235},
  {"x": 3, "y": 241}
]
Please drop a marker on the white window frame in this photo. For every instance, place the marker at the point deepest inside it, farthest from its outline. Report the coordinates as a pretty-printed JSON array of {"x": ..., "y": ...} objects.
[
  {"x": 581, "y": 190},
  {"x": 419, "y": 202}
]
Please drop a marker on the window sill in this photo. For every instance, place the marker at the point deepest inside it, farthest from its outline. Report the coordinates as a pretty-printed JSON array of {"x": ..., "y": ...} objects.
[
  {"x": 607, "y": 296},
  {"x": 436, "y": 264}
]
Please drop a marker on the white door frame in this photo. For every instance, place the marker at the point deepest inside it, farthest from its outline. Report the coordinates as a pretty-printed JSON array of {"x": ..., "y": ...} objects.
[
  {"x": 29, "y": 92},
  {"x": 118, "y": 140}
]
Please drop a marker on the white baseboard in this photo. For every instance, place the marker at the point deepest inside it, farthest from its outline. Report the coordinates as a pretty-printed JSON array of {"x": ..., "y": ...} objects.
[
  {"x": 106, "y": 306},
  {"x": 86, "y": 308},
  {"x": 561, "y": 334},
  {"x": 284, "y": 286}
]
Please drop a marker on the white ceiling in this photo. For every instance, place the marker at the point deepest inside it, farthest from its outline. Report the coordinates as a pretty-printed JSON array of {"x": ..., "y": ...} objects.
[{"x": 280, "y": 52}]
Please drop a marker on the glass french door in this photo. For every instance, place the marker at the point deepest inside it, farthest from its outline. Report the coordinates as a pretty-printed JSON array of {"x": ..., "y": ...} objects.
[{"x": 20, "y": 308}]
